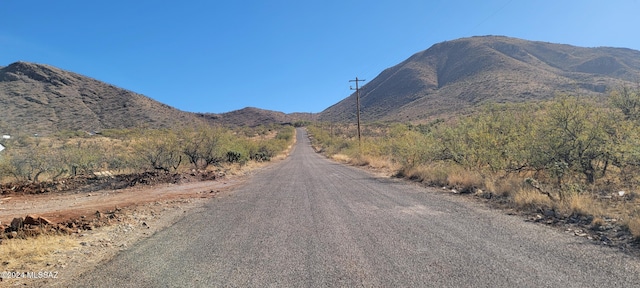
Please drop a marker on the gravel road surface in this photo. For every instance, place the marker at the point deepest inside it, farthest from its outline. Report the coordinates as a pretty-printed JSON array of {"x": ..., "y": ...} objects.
[{"x": 310, "y": 222}]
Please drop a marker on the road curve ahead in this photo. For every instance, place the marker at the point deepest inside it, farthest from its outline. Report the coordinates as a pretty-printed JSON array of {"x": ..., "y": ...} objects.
[{"x": 310, "y": 222}]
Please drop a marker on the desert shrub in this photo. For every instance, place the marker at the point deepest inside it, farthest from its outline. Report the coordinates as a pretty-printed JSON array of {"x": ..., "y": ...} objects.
[
  {"x": 566, "y": 154},
  {"x": 158, "y": 150},
  {"x": 234, "y": 157},
  {"x": 31, "y": 159},
  {"x": 490, "y": 141},
  {"x": 285, "y": 133},
  {"x": 81, "y": 158},
  {"x": 204, "y": 145},
  {"x": 301, "y": 123},
  {"x": 406, "y": 146},
  {"x": 267, "y": 150},
  {"x": 575, "y": 136},
  {"x": 627, "y": 100}
]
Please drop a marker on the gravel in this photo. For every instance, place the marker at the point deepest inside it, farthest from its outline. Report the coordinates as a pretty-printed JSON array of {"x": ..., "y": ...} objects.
[{"x": 309, "y": 222}]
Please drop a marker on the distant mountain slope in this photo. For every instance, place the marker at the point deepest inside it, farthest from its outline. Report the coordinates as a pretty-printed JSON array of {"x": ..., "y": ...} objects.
[
  {"x": 38, "y": 98},
  {"x": 454, "y": 75},
  {"x": 248, "y": 116}
]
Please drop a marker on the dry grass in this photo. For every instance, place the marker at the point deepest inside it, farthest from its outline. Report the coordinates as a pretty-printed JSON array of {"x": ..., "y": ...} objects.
[
  {"x": 633, "y": 224},
  {"x": 360, "y": 161},
  {"x": 33, "y": 253},
  {"x": 430, "y": 175},
  {"x": 239, "y": 169},
  {"x": 341, "y": 158},
  {"x": 529, "y": 198},
  {"x": 525, "y": 197},
  {"x": 464, "y": 180},
  {"x": 512, "y": 187},
  {"x": 521, "y": 196},
  {"x": 456, "y": 177},
  {"x": 380, "y": 162},
  {"x": 628, "y": 211},
  {"x": 580, "y": 204},
  {"x": 505, "y": 186}
]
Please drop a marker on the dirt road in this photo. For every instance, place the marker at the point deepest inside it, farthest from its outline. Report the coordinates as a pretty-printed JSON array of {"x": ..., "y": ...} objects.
[
  {"x": 309, "y": 222},
  {"x": 59, "y": 207}
]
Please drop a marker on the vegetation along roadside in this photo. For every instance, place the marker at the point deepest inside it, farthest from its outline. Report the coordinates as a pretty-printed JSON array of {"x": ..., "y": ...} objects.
[
  {"x": 72, "y": 168},
  {"x": 570, "y": 161}
]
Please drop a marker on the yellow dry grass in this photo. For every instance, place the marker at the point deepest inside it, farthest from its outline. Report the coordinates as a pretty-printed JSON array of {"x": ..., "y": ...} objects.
[
  {"x": 429, "y": 174},
  {"x": 443, "y": 175},
  {"x": 341, "y": 158},
  {"x": 633, "y": 224},
  {"x": 581, "y": 204},
  {"x": 505, "y": 186},
  {"x": 465, "y": 180},
  {"x": 33, "y": 253},
  {"x": 377, "y": 162},
  {"x": 529, "y": 198}
]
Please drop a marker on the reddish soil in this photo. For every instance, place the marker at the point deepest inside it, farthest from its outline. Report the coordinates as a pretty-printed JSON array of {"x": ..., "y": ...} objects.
[{"x": 90, "y": 195}]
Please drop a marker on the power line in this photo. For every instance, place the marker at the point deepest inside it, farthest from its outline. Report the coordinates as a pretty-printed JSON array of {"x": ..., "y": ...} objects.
[
  {"x": 358, "y": 105},
  {"x": 491, "y": 15}
]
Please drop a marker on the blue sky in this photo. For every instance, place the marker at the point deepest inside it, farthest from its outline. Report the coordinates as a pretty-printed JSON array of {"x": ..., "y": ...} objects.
[{"x": 289, "y": 56}]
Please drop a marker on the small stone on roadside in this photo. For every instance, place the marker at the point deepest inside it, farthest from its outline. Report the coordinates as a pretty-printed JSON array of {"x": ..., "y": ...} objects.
[{"x": 549, "y": 213}]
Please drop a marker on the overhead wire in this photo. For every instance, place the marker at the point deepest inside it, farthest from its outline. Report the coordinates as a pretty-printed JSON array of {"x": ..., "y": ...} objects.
[{"x": 491, "y": 15}]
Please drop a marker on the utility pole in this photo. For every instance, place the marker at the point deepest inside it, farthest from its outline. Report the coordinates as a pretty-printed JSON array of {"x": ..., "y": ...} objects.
[{"x": 357, "y": 106}]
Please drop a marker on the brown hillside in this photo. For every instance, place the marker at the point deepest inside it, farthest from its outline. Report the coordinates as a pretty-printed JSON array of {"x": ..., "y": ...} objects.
[
  {"x": 252, "y": 117},
  {"x": 42, "y": 99},
  {"x": 460, "y": 74}
]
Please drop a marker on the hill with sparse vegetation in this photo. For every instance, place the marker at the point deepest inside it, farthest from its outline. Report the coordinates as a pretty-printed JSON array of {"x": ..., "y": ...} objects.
[
  {"x": 42, "y": 99},
  {"x": 447, "y": 79},
  {"x": 455, "y": 76},
  {"x": 252, "y": 117}
]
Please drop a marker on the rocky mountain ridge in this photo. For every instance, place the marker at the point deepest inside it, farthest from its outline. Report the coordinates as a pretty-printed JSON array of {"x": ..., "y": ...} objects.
[
  {"x": 447, "y": 79},
  {"x": 42, "y": 99},
  {"x": 452, "y": 76}
]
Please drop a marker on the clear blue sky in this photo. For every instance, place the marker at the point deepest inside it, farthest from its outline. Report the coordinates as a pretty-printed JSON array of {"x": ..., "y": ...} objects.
[{"x": 290, "y": 56}]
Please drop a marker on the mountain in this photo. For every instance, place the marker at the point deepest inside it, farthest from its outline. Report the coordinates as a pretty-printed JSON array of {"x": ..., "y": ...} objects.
[
  {"x": 248, "y": 116},
  {"x": 449, "y": 78},
  {"x": 251, "y": 117},
  {"x": 453, "y": 76},
  {"x": 42, "y": 99}
]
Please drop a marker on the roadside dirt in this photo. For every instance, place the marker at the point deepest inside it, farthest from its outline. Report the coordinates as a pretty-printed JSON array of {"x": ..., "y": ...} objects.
[
  {"x": 60, "y": 207},
  {"x": 102, "y": 223}
]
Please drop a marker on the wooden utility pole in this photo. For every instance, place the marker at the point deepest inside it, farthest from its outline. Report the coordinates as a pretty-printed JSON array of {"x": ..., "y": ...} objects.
[{"x": 358, "y": 106}]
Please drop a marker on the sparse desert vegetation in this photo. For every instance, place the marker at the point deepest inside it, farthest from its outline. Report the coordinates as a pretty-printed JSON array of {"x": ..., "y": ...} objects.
[
  {"x": 35, "y": 159},
  {"x": 122, "y": 158},
  {"x": 567, "y": 157}
]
